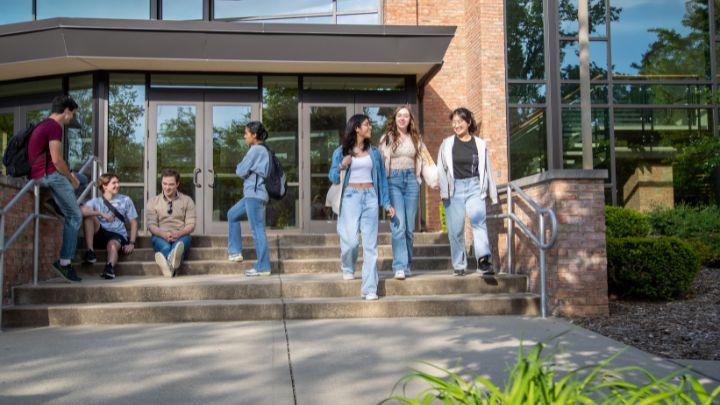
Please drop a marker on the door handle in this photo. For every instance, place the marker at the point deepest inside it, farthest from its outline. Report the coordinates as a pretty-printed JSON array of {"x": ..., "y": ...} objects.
[
  {"x": 195, "y": 177},
  {"x": 212, "y": 176}
]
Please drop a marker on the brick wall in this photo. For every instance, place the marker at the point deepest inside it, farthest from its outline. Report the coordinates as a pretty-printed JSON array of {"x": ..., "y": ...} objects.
[
  {"x": 577, "y": 264},
  {"x": 18, "y": 260}
]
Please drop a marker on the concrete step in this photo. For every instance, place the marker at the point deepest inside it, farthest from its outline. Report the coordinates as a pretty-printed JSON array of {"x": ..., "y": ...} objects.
[
  {"x": 155, "y": 289},
  {"x": 295, "y": 240},
  {"x": 200, "y": 267},
  {"x": 270, "y": 309},
  {"x": 304, "y": 252}
]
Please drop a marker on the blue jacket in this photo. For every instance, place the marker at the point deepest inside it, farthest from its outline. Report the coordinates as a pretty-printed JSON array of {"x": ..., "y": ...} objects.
[
  {"x": 378, "y": 176},
  {"x": 254, "y": 168}
]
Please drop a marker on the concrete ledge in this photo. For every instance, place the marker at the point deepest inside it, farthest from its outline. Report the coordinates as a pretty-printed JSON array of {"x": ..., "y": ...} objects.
[{"x": 571, "y": 174}]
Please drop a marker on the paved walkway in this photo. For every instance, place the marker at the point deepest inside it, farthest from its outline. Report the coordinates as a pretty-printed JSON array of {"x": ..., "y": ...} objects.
[{"x": 349, "y": 361}]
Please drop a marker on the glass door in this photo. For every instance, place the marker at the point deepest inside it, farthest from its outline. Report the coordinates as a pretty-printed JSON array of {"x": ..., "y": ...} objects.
[
  {"x": 323, "y": 128},
  {"x": 7, "y": 124},
  {"x": 176, "y": 139},
  {"x": 224, "y": 147}
]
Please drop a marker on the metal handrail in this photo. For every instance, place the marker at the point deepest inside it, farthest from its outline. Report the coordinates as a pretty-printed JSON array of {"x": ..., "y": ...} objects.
[
  {"x": 35, "y": 217},
  {"x": 538, "y": 240}
]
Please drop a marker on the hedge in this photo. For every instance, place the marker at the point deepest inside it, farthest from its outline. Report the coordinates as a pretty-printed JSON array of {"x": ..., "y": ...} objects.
[{"x": 623, "y": 222}]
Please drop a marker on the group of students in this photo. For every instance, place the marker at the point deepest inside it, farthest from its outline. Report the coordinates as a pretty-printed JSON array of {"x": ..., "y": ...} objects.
[{"x": 388, "y": 175}]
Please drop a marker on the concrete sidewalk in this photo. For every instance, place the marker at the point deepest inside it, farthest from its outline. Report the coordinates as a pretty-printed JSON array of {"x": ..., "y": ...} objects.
[{"x": 347, "y": 361}]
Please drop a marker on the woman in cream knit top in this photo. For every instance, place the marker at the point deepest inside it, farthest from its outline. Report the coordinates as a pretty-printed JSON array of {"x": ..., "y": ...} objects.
[{"x": 406, "y": 162}]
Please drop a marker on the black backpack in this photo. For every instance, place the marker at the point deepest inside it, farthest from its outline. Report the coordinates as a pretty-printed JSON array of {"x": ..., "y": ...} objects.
[
  {"x": 15, "y": 157},
  {"x": 275, "y": 181}
]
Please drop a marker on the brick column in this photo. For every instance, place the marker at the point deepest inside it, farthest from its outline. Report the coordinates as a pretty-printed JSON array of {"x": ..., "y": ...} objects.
[
  {"x": 577, "y": 264},
  {"x": 18, "y": 259}
]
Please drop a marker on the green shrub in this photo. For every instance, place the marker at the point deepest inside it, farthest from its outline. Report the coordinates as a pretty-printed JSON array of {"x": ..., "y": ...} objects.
[
  {"x": 534, "y": 379},
  {"x": 623, "y": 222},
  {"x": 691, "y": 223},
  {"x": 441, "y": 207},
  {"x": 655, "y": 268}
]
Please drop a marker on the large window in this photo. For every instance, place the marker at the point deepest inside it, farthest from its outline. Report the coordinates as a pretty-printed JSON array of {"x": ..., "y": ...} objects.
[
  {"x": 182, "y": 9},
  {"x": 130, "y": 9},
  {"x": 299, "y": 11},
  {"x": 80, "y": 140}
]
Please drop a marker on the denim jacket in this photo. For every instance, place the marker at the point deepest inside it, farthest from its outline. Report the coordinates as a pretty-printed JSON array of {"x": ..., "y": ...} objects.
[
  {"x": 253, "y": 169},
  {"x": 378, "y": 176}
]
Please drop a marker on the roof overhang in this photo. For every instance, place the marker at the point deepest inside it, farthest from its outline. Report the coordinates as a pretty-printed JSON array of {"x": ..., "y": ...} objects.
[{"x": 67, "y": 45}]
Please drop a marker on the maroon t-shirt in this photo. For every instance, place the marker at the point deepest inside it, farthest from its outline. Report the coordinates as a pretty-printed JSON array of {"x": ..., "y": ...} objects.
[{"x": 46, "y": 131}]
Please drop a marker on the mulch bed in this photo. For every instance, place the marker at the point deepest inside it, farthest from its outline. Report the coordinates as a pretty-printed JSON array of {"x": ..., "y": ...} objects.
[{"x": 684, "y": 329}]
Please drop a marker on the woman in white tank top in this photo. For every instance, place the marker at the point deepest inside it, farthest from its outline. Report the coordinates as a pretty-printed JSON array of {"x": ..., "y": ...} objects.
[{"x": 364, "y": 191}]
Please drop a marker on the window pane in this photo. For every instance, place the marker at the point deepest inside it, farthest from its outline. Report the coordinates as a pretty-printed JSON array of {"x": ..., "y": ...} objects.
[
  {"x": 224, "y": 82},
  {"x": 662, "y": 94},
  {"x": 525, "y": 39},
  {"x": 663, "y": 157},
  {"x": 280, "y": 117},
  {"x": 80, "y": 140},
  {"x": 528, "y": 147},
  {"x": 353, "y": 83},
  {"x": 182, "y": 9},
  {"x": 571, "y": 93},
  {"x": 568, "y": 15},
  {"x": 570, "y": 60},
  {"x": 12, "y": 11},
  {"x": 356, "y": 5},
  {"x": 126, "y": 127},
  {"x": 526, "y": 93},
  {"x": 295, "y": 20},
  {"x": 130, "y": 9},
  {"x": 261, "y": 8},
  {"x": 572, "y": 139},
  {"x": 31, "y": 87},
  {"x": 367, "y": 19},
  {"x": 666, "y": 40},
  {"x": 6, "y": 132},
  {"x": 35, "y": 116},
  {"x": 137, "y": 195}
]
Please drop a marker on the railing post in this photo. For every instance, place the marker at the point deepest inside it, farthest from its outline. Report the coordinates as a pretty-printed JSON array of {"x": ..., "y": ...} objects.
[
  {"x": 36, "y": 238},
  {"x": 510, "y": 226},
  {"x": 95, "y": 168},
  {"x": 543, "y": 292}
]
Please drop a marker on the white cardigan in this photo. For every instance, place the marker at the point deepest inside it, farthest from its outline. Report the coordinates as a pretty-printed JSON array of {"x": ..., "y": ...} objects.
[{"x": 445, "y": 170}]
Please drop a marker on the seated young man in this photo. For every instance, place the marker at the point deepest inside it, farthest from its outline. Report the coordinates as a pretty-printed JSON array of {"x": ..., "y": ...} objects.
[
  {"x": 170, "y": 219},
  {"x": 104, "y": 223}
]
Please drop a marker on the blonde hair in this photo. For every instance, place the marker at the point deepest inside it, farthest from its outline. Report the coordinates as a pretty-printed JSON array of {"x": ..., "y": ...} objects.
[{"x": 105, "y": 179}]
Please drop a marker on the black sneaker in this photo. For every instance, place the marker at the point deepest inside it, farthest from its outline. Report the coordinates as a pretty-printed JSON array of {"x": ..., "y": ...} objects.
[
  {"x": 460, "y": 272},
  {"x": 66, "y": 272},
  {"x": 109, "y": 273},
  {"x": 485, "y": 266},
  {"x": 90, "y": 256}
]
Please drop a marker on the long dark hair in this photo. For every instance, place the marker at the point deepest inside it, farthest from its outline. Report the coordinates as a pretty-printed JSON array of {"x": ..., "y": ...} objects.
[
  {"x": 467, "y": 116},
  {"x": 350, "y": 134},
  {"x": 392, "y": 136},
  {"x": 257, "y": 128}
]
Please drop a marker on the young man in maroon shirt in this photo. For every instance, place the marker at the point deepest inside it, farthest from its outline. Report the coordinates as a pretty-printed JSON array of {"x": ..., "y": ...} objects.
[{"x": 46, "y": 144}]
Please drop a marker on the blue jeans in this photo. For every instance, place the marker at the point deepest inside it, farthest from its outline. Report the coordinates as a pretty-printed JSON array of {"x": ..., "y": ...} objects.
[
  {"x": 64, "y": 195},
  {"x": 254, "y": 210},
  {"x": 359, "y": 213},
  {"x": 466, "y": 198},
  {"x": 404, "y": 190},
  {"x": 161, "y": 245}
]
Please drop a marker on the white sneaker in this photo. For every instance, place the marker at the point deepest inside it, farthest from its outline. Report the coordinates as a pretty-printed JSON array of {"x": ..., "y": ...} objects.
[
  {"x": 348, "y": 276},
  {"x": 370, "y": 297},
  {"x": 176, "y": 255},
  {"x": 400, "y": 275},
  {"x": 163, "y": 264},
  {"x": 235, "y": 257}
]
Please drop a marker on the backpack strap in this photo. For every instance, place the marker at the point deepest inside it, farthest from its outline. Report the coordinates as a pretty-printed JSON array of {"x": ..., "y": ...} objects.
[{"x": 114, "y": 210}]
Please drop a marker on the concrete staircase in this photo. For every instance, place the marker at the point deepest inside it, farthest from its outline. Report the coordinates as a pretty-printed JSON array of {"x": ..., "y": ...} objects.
[{"x": 305, "y": 284}]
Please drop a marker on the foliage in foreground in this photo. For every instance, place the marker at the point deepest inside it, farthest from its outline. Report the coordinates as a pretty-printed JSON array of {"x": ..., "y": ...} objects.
[{"x": 534, "y": 379}]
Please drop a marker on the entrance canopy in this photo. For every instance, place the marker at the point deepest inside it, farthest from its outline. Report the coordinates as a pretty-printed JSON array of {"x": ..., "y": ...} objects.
[{"x": 67, "y": 45}]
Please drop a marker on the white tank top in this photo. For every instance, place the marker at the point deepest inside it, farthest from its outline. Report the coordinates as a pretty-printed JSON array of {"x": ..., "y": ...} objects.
[{"x": 361, "y": 170}]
